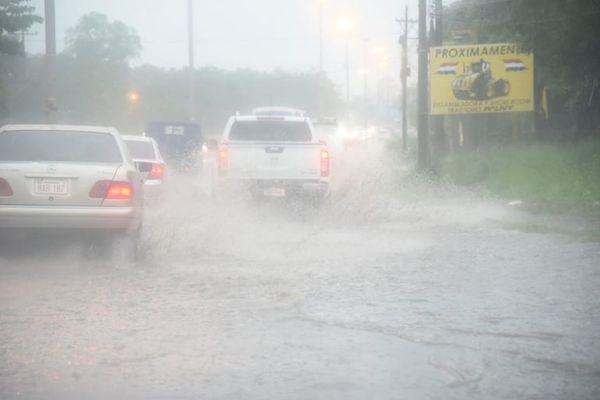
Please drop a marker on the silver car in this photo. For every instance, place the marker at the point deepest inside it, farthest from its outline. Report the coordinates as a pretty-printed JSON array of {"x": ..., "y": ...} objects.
[{"x": 69, "y": 177}]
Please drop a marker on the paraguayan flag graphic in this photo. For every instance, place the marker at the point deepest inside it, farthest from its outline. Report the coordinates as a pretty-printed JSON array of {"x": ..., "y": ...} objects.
[
  {"x": 514, "y": 65},
  {"x": 447, "y": 68}
]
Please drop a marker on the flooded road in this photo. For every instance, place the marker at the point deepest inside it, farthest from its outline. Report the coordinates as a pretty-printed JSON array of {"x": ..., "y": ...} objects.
[{"x": 401, "y": 289}]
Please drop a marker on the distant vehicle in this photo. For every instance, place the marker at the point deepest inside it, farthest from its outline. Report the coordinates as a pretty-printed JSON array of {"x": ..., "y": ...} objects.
[
  {"x": 325, "y": 121},
  {"x": 179, "y": 142},
  {"x": 62, "y": 176},
  {"x": 144, "y": 150},
  {"x": 328, "y": 131},
  {"x": 278, "y": 112},
  {"x": 385, "y": 133},
  {"x": 273, "y": 156}
]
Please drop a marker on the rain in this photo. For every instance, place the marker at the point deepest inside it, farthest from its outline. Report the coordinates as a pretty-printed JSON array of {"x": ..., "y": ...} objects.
[{"x": 298, "y": 235}]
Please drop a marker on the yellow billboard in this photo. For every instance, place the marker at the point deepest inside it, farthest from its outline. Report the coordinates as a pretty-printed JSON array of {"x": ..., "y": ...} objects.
[{"x": 487, "y": 78}]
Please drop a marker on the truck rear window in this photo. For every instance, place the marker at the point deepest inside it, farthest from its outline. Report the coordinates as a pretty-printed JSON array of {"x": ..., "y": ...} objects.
[
  {"x": 270, "y": 131},
  {"x": 59, "y": 146}
]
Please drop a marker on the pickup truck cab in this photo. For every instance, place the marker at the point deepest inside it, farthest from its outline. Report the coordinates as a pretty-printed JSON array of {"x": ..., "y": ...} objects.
[{"x": 272, "y": 155}]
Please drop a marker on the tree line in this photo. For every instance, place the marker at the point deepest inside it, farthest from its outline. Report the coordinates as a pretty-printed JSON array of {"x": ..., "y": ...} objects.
[{"x": 94, "y": 81}]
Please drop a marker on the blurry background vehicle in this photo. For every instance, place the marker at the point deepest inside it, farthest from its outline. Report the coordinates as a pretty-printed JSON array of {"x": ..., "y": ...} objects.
[
  {"x": 273, "y": 156},
  {"x": 327, "y": 129},
  {"x": 144, "y": 150},
  {"x": 69, "y": 177},
  {"x": 385, "y": 133},
  {"x": 180, "y": 144},
  {"x": 350, "y": 136},
  {"x": 209, "y": 149}
]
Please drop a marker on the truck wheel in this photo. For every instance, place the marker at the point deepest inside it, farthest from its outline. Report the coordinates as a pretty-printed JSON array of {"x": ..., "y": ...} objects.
[{"x": 323, "y": 200}]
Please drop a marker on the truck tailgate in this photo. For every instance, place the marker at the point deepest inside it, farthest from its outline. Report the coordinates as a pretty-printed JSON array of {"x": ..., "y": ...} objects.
[{"x": 274, "y": 161}]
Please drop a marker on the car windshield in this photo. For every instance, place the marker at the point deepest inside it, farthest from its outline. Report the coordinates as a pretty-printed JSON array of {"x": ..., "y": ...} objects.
[
  {"x": 59, "y": 146},
  {"x": 141, "y": 149},
  {"x": 270, "y": 131}
]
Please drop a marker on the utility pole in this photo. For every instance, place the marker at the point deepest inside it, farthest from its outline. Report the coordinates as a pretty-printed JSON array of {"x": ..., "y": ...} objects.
[
  {"x": 423, "y": 103},
  {"x": 50, "y": 24},
  {"x": 365, "y": 73},
  {"x": 345, "y": 25},
  {"x": 404, "y": 74},
  {"x": 439, "y": 137},
  {"x": 321, "y": 69},
  {"x": 347, "y": 71},
  {"x": 191, "y": 69}
]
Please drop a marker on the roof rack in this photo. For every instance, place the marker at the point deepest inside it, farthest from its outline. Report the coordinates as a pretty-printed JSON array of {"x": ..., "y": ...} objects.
[{"x": 278, "y": 112}]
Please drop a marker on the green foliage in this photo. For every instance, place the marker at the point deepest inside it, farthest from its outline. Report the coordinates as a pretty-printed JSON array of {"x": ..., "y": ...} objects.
[
  {"x": 97, "y": 40},
  {"x": 562, "y": 33},
  {"x": 97, "y": 94},
  {"x": 15, "y": 16},
  {"x": 93, "y": 79},
  {"x": 3, "y": 100},
  {"x": 546, "y": 175},
  {"x": 220, "y": 93},
  {"x": 92, "y": 74}
]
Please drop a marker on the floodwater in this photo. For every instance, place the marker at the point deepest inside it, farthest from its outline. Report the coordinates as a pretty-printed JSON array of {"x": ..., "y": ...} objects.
[{"x": 401, "y": 289}]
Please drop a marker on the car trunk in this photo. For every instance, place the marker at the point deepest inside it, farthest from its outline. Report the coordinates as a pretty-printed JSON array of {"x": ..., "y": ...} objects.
[{"x": 54, "y": 184}]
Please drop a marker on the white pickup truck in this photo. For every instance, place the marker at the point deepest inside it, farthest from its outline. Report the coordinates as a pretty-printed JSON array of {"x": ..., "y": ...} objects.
[{"x": 272, "y": 155}]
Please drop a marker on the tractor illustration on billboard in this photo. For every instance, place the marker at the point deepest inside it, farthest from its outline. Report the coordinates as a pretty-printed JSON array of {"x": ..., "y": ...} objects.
[{"x": 477, "y": 83}]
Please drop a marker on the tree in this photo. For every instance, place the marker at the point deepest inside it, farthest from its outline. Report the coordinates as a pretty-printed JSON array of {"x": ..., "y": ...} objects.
[
  {"x": 95, "y": 39},
  {"x": 95, "y": 67},
  {"x": 563, "y": 35},
  {"x": 15, "y": 16},
  {"x": 221, "y": 93}
]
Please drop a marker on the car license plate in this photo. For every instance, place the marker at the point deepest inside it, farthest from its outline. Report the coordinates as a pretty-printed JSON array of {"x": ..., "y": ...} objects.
[
  {"x": 51, "y": 186},
  {"x": 274, "y": 191}
]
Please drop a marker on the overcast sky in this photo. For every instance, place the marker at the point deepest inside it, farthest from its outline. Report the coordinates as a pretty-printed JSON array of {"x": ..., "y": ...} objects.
[{"x": 231, "y": 34}]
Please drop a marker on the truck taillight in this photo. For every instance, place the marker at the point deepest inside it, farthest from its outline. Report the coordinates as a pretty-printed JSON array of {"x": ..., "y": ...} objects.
[
  {"x": 325, "y": 163},
  {"x": 5, "y": 189},
  {"x": 110, "y": 190},
  {"x": 223, "y": 160}
]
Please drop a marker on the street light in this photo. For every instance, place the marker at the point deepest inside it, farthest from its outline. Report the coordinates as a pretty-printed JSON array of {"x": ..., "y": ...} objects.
[
  {"x": 384, "y": 63},
  {"x": 133, "y": 96},
  {"x": 378, "y": 50},
  {"x": 345, "y": 26},
  {"x": 322, "y": 4},
  {"x": 191, "y": 69}
]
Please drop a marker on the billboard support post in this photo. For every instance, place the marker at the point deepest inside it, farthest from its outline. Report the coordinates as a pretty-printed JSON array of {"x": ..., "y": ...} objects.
[{"x": 423, "y": 103}]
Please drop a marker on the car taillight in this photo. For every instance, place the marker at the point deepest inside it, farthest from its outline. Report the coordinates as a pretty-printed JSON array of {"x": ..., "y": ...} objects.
[
  {"x": 112, "y": 190},
  {"x": 5, "y": 189},
  {"x": 325, "y": 163},
  {"x": 157, "y": 171},
  {"x": 223, "y": 160}
]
